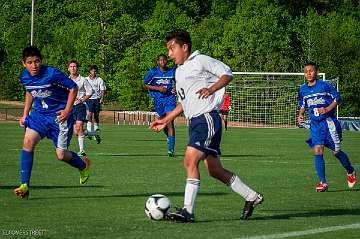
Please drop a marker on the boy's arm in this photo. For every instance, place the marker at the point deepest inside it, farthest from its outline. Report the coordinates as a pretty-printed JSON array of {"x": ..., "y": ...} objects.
[
  {"x": 160, "y": 124},
  {"x": 301, "y": 117},
  {"x": 27, "y": 106},
  {"x": 222, "y": 82}
]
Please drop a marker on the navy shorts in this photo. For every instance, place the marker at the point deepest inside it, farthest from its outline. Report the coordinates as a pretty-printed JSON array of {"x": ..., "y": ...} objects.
[
  {"x": 93, "y": 105},
  {"x": 205, "y": 133},
  {"x": 79, "y": 112},
  {"x": 46, "y": 126},
  {"x": 164, "y": 105}
]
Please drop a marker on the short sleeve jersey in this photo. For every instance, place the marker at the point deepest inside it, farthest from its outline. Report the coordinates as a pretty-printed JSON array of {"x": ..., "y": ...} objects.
[
  {"x": 157, "y": 77},
  {"x": 84, "y": 87},
  {"x": 322, "y": 94},
  {"x": 97, "y": 85},
  {"x": 49, "y": 89},
  {"x": 199, "y": 71}
]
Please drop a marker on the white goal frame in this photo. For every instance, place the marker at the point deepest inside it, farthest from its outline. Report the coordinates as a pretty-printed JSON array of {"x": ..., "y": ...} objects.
[{"x": 265, "y": 99}]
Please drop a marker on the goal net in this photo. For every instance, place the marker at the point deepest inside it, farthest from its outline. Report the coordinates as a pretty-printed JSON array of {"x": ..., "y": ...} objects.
[{"x": 265, "y": 99}]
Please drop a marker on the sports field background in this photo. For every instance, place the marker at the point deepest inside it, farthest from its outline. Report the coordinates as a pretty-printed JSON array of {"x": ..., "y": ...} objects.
[{"x": 131, "y": 164}]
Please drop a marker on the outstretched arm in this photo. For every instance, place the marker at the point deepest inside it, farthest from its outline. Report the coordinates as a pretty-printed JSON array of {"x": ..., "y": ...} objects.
[
  {"x": 160, "y": 124},
  {"x": 206, "y": 92}
]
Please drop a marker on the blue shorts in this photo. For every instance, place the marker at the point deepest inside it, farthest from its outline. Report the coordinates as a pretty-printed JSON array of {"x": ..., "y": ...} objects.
[
  {"x": 205, "y": 133},
  {"x": 326, "y": 132},
  {"x": 164, "y": 105},
  {"x": 45, "y": 125},
  {"x": 93, "y": 105},
  {"x": 79, "y": 112}
]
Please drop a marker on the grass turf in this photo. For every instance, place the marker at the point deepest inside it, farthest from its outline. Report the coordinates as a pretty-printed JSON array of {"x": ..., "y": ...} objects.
[{"x": 131, "y": 163}]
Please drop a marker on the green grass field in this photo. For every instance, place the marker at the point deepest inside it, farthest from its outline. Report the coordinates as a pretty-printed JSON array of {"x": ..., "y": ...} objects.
[{"x": 131, "y": 164}]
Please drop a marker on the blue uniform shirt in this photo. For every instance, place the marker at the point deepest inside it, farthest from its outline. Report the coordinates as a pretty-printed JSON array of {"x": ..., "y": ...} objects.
[
  {"x": 156, "y": 77},
  {"x": 50, "y": 89},
  {"x": 320, "y": 95}
]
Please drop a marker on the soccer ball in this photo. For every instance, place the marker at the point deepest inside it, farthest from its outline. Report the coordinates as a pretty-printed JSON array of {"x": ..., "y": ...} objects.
[{"x": 157, "y": 206}]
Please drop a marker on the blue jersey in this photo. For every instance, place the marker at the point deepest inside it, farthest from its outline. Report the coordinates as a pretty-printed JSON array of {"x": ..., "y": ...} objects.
[
  {"x": 156, "y": 77},
  {"x": 49, "y": 89},
  {"x": 320, "y": 95}
]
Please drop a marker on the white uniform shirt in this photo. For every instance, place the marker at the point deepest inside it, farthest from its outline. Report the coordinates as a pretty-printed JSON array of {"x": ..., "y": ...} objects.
[
  {"x": 199, "y": 71},
  {"x": 84, "y": 87},
  {"x": 98, "y": 85}
]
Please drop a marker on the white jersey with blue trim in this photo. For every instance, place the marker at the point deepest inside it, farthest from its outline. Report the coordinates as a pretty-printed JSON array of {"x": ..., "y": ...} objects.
[
  {"x": 49, "y": 89},
  {"x": 98, "y": 85},
  {"x": 84, "y": 87},
  {"x": 319, "y": 95},
  {"x": 199, "y": 71}
]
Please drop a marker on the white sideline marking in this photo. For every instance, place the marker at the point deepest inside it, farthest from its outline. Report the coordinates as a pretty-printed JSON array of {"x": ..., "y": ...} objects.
[{"x": 304, "y": 233}]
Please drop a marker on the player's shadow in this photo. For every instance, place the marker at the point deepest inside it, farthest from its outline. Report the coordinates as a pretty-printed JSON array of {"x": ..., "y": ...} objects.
[
  {"x": 124, "y": 195},
  {"x": 313, "y": 213},
  {"x": 52, "y": 186}
]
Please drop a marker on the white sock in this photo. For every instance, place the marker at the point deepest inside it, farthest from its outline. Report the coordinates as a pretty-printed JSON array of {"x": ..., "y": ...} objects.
[
  {"x": 191, "y": 189},
  {"x": 242, "y": 189},
  {"x": 81, "y": 142},
  {"x": 89, "y": 126},
  {"x": 96, "y": 126}
]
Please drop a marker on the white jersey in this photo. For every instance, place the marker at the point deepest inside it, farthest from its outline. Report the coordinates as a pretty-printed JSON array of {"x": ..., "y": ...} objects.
[
  {"x": 98, "y": 85},
  {"x": 199, "y": 71},
  {"x": 84, "y": 87}
]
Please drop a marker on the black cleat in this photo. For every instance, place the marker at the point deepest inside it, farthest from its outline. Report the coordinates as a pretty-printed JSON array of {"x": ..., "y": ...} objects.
[
  {"x": 250, "y": 205},
  {"x": 98, "y": 139},
  {"x": 182, "y": 215}
]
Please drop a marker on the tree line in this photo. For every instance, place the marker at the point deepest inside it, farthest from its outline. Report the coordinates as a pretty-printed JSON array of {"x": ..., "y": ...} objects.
[{"x": 124, "y": 37}]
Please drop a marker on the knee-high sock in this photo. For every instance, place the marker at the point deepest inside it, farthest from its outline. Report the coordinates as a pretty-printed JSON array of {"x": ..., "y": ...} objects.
[
  {"x": 345, "y": 162},
  {"x": 171, "y": 143},
  {"x": 26, "y": 163},
  {"x": 89, "y": 126},
  {"x": 320, "y": 167},
  {"x": 191, "y": 189},
  {"x": 77, "y": 162},
  {"x": 81, "y": 142},
  {"x": 242, "y": 189}
]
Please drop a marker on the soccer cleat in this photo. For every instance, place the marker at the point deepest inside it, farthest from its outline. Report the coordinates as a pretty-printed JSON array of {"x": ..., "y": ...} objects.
[
  {"x": 171, "y": 154},
  {"x": 181, "y": 215},
  {"x": 250, "y": 205},
  {"x": 85, "y": 173},
  {"x": 98, "y": 139},
  {"x": 351, "y": 179},
  {"x": 22, "y": 191},
  {"x": 321, "y": 187},
  {"x": 81, "y": 153}
]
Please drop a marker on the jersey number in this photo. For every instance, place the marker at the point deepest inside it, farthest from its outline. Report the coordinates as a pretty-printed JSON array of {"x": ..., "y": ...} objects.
[{"x": 181, "y": 94}]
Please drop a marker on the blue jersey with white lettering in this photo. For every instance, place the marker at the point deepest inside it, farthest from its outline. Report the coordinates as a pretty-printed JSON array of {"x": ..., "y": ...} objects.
[
  {"x": 49, "y": 89},
  {"x": 320, "y": 95},
  {"x": 156, "y": 77}
]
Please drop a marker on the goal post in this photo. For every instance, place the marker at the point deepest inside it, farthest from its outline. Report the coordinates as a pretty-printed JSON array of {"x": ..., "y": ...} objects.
[{"x": 265, "y": 99}]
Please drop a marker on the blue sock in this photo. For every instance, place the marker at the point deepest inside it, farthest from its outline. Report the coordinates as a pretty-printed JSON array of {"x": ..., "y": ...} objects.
[
  {"x": 344, "y": 160},
  {"x": 171, "y": 143},
  {"x": 320, "y": 167},
  {"x": 26, "y": 163},
  {"x": 77, "y": 162}
]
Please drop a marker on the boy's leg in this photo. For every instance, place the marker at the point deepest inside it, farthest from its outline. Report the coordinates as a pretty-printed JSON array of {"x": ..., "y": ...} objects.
[
  {"x": 217, "y": 171},
  {"x": 31, "y": 138},
  {"x": 345, "y": 162},
  {"x": 171, "y": 139},
  {"x": 191, "y": 164}
]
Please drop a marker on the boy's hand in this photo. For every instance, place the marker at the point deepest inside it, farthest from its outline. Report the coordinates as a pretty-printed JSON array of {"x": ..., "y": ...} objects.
[
  {"x": 62, "y": 115},
  {"x": 300, "y": 119},
  {"x": 157, "y": 125},
  {"x": 22, "y": 121}
]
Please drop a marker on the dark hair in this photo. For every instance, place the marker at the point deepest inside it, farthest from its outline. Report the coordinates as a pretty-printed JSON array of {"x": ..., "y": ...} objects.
[
  {"x": 74, "y": 61},
  {"x": 31, "y": 51},
  {"x": 93, "y": 67},
  {"x": 161, "y": 55},
  {"x": 312, "y": 63},
  {"x": 180, "y": 36}
]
